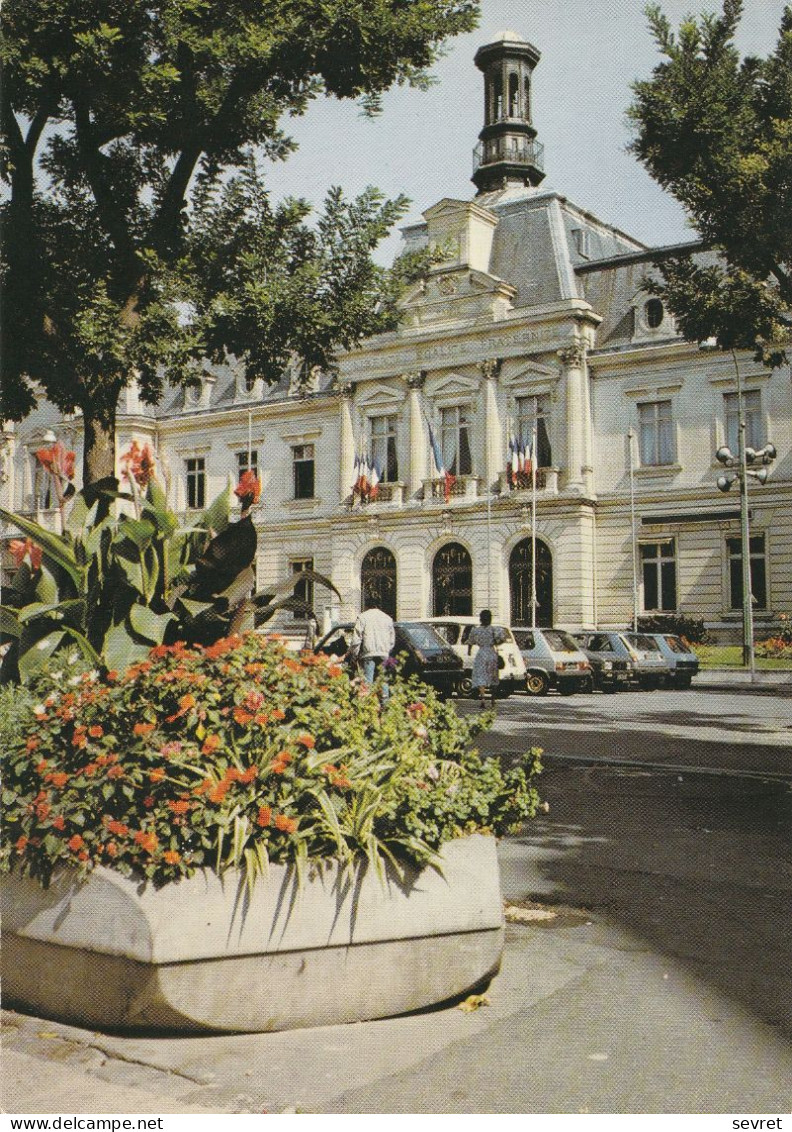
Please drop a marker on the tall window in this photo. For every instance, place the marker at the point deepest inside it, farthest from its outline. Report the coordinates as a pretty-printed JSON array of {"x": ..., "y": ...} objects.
[
  {"x": 752, "y": 405},
  {"x": 455, "y": 440},
  {"x": 452, "y": 581},
  {"x": 534, "y": 412},
  {"x": 247, "y": 463},
  {"x": 303, "y": 590},
  {"x": 383, "y": 447},
  {"x": 658, "y": 566},
  {"x": 196, "y": 482},
  {"x": 378, "y": 580},
  {"x": 656, "y": 431},
  {"x": 303, "y": 460},
  {"x": 758, "y": 572}
]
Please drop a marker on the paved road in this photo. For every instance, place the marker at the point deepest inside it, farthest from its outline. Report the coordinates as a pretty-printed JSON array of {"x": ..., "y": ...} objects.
[{"x": 709, "y": 729}]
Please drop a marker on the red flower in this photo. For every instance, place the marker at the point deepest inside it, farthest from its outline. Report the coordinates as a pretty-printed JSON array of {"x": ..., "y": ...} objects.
[
  {"x": 118, "y": 828},
  {"x": 58, "y": 779},
  {"x": 285, "y": 824},
  {"x": 241, "y": 716},
  {"x": 138, "y": 463},
  {"x": 76, "y": 842},
  {"x": 278, "y": 714},
  {"x": 187, "y": 701},
  {"x": 20, "y": 550},
  {"x": 32, "y": 743},
  {"x": 96, "y": 731},
  {"x": 143, "y": 728},
  {"x": 111, "y": 849},
  {"x": 115, "y": 772},
  {"x": 211, "y": 743},
  {"x": 146, "y": 840},
  {"x": 21, "y": 844},
  {"x": 57, "y": 460},
  {"x": 157, "y": 774},
  {"x": 264, "y": 816},
  {"x": 249, "y": 774},
  {"x": 59, "y": 822},
  {"x": 249, "y": 485},
  {"x": 306, "y": 740},
  {"x": 179, "y": 807}
]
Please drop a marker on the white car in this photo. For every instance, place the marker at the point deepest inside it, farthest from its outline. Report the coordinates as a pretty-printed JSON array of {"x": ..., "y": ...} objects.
[{"x": 511, "y": 666}]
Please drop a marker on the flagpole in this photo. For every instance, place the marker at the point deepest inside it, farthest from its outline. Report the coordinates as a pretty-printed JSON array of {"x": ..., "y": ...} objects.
[
  {"x": 489, "y": 546},
  {"x": 533, "y": 525},
  {"x": 250, "y": 440}
]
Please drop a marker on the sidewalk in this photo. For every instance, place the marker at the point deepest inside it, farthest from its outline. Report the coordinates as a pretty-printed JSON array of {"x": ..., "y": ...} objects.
[
  {"x": 585, "y": 1016},
  {"x": 776, "y": 681}
]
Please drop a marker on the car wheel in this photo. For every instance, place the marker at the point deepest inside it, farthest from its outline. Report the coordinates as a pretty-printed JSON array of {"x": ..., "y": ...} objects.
[
  {"x": 683, "y": 682},
  {"x": 587, "y": 686},
  {"x": 566, "y": 687},
  {"x": 465, "y": 686},
  {"x": 536, "y": 684}
]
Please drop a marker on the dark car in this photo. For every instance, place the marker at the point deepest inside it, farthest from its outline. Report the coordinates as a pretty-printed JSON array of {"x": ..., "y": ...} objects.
[
  {"x": 422, "y": 651},
  {"x": 611, "y": 660},
  {"x": 653, "y": 669}
]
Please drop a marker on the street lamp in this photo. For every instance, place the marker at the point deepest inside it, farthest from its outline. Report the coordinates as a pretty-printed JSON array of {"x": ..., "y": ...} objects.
[{"x": 743, "y": 472}]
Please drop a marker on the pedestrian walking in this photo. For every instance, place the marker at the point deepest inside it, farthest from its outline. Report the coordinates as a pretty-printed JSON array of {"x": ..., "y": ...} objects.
[
  {"x": 373, "y": 640},
  {"x": 485, "y": 663}
]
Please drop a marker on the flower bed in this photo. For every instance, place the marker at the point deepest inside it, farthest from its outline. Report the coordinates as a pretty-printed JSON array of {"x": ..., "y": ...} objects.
[{"x": 239, "y": 754}]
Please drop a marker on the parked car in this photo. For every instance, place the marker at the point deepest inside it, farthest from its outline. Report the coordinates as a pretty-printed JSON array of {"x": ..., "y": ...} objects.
[
  {"x": 612, "y": 660},
  {"x": 553, "y": 659},
  {"x": 423, "y": 651},
  {"x": 511, "y": 667},
  {"x": 652, "y": 667},
  {"x": 681, "y": 659}
]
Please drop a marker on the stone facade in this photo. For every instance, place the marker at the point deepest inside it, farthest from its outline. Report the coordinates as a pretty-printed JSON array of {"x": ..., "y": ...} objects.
[{"x": 535, "y": 323}]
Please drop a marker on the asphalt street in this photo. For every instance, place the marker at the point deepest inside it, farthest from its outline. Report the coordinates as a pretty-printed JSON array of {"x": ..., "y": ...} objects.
[{"x": 648, "y": 959}]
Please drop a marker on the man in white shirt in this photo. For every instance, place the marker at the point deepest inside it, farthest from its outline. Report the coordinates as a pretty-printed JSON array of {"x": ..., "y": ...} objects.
[{"x": 373, "y": 640}]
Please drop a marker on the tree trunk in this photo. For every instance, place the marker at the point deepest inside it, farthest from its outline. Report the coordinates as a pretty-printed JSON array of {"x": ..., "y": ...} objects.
[{"x": 99, "y": 452}]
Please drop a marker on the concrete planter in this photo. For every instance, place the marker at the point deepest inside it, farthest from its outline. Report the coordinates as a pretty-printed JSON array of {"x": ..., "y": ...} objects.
[{"x": 203, "y": 954}]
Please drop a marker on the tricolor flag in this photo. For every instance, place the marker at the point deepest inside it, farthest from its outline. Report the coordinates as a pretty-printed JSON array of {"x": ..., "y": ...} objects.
[
  {"x": 448, "y": 479},
  {"x": 374, "y": 479}
]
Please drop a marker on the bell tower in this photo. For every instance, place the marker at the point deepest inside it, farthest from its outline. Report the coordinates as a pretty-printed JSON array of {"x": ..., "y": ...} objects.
[{"x": 508, "y": 152}]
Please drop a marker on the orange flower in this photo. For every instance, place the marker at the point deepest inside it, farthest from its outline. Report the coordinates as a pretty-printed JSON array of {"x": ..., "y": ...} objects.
[
  {"x": 180, "y": 807},
  {"x": 59, "y": 822},
  {"x": 157, "y": 774},
  {"x": 32, "y": 743},
  {"x": 118, "y": 828},
  {"x": 111, "y": 849},
  {"x": 219, "y": 792},
  {"x": 42, "y": 810},
  {"x": 211, "y": 743},
  {"x": 187, "y": 701},
  {"x": 146, "y": 840},
  {"x": 249, "y": 485},
  {"x": 171, "y": 857},
  {"x": 115, "y": 772},
  {"x": 96, "y": 731},
  {"x": 138, "y": 463},
  {"x": 241, "y": 716},
  {"x": 204, "y": 786},
  {"x": 261, "y": 718},
  {"x": 21, "y": 844},
  {"x": 76, "y": 842},
  {"x": 42, "y": 766},
  {"x": 21, "y": 550},
  {"x": 58, "y": 779},
  {"x": 335, "y": 670},
  {"x": 249, "y": 774},
  {"x": 264, "y": 816},
  {"x": 285, "y": 824},
  {"x": 306, "y": 740},
  {"x": 143, "y": 728},
  {"x": 276, "y": 713}
]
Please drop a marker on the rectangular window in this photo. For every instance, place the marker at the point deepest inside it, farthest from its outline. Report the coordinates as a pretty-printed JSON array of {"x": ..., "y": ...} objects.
[
  {"x": 758, "y": 572},
  {"x": 455, "y": 441},
  {"x": 303, "y": 459},
  {"x": 752, "y": 407},
  {"x": 658, "y": 567},
  {"x": 383, "y": 448},
  {"x": 304, "y": 590},
  {"x": 656, "y": 431},
  {"x": 196, "y": 482},
  {"x": 247, "y": 462},
  {"x": 534, "y": 412}
]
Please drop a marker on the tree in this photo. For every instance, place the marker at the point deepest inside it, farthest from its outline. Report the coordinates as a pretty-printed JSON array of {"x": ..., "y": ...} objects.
[
  {"x": 118, "y": 115},
  {"x": 715, "y": 130}
]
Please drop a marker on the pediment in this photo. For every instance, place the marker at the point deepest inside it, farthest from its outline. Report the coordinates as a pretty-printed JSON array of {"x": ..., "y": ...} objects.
[
  {"x": 377, "y": 396},
  {"x": 454, "y": 384},
  {"x": 530, "y": 373},
  {"x": 456, "y": 285}
]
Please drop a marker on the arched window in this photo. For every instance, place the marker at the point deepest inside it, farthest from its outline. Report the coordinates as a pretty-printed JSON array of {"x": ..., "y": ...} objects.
[
  {"x": 378, "y": 580},
  {"x": 520, "y": 573},
  {"x": 452, "y": 581},
  {"x": 655, "y": 312},
  {"x": 514, "y": 96}
]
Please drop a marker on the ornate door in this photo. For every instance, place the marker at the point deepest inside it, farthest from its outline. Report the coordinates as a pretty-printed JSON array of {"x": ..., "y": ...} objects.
[
  {"x": 520, "y": 569},
  {"x": 452, "y": 581},
  {"x": 378, "y": 580}
]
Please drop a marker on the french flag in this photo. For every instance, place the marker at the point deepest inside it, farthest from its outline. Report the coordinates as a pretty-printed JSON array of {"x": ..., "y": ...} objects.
[{"x": 448, "y": 479}]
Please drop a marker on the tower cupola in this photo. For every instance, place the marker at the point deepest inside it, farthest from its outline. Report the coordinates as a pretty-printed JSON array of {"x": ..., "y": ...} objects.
[{"x": 508, "y": 152}]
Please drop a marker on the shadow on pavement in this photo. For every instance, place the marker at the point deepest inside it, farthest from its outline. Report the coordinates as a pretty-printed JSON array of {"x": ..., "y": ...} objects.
[{"x": 699, "y": 866}]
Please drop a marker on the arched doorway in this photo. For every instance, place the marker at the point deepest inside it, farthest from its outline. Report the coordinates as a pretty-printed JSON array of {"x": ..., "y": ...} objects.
[
  {"x": 520, "y": 569},
  {"x": 378, "y": 580},
  {"x": 452, "y": 581}
]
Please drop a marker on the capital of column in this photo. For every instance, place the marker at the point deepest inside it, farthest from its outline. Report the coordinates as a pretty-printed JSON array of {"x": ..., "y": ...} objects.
[
  {"x": 347, "y": 390},
  {"x": 490, "y": 368},
  {"x": 415, "y": 380},
  {"x": 573, "y": 355}
]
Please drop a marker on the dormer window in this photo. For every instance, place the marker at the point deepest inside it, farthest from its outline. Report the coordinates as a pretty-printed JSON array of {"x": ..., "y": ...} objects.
[{"x": 654, "y": 313}]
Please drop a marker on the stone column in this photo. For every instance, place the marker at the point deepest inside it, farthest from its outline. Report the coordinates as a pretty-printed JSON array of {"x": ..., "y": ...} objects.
[
  {"x": 347, "y": 442},
  {"x": 418, "y": 441},
  {"x": 493, "y": 456},
  {"x": 573, "y": 360}
]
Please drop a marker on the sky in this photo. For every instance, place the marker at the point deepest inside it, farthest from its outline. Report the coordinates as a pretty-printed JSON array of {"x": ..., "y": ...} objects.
[{"x": 422, "y": 142}]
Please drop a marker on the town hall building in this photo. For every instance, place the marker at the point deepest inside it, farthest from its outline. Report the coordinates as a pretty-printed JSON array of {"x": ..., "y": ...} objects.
[{"x": 543, "y": 440}]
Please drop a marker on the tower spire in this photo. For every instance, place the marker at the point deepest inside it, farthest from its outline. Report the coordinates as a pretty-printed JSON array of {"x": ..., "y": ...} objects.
[{"x": 508, "y": 152}]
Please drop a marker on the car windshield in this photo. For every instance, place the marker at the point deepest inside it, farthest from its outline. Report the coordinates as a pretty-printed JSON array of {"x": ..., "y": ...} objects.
[
  {"x": 641, "y": 641},
  {"x": 677, "y": 645},
  {"x": 560, "y": 641},
  {"x": 524, "y": 639},
  {"x": 421, "y": 636}
]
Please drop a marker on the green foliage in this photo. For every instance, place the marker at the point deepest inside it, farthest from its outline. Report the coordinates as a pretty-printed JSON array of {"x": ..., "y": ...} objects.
[
  {"x": 778, "y": 644},
  {"x": 240, "y": 754},
  {"x": 715, "y": 130},
  {"x": 692, "y": 629},
  {"x": 118, "y": 117}
]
